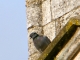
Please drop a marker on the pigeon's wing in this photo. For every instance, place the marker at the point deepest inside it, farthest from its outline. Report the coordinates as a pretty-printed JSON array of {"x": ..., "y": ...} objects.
[
  {"x": 38, "y": 42},
  {"x": 41, "y": 42},
  {"x": 47, "y": 40}
]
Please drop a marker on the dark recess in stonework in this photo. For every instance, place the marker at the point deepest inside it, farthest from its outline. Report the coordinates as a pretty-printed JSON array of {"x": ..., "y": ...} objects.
[
  {"x": 61, "y": 39},
  {"x": 61, "y": 43}
]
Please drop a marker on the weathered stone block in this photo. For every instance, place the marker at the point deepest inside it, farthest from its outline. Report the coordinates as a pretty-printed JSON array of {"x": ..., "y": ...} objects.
[
  {"x": 46, "y": 12},
  {"x": 61, "y": 7},
  {"x": 33, "y": 2},
  {"x": 35, "y": 56},
  {"x": 77, "y": 56},
  {"x": 33, "y": 16},
  {"x": 60, "y": 22},
  {"x": 49, "y": 30}
]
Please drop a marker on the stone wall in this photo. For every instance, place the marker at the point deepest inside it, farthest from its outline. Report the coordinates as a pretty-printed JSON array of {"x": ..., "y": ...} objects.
[
  {"x": 47, "y": 17},
  {"x": 71, "y": 49}
]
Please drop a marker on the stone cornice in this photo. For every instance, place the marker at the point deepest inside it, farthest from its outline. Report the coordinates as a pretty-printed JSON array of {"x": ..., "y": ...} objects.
[{"x": 61, "y": 39}]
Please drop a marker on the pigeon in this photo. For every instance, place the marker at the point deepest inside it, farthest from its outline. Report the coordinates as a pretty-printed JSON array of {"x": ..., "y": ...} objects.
[{"x": 40, "y": 42}]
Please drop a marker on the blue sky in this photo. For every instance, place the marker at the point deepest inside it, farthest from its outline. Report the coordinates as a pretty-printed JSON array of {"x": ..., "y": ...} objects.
[{"x": 13, "y": 30}]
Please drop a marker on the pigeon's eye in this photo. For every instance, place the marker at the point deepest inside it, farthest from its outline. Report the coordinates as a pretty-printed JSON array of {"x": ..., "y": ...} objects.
[{"x": 34, "y": 33}]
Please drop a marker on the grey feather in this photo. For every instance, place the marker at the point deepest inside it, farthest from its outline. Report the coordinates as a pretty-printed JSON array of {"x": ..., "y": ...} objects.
[{"x": 40, "y": 42}]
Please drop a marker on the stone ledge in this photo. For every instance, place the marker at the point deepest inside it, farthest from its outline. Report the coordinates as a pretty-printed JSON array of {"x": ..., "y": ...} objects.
[
  {"x": 71, "y": 48},
  {"x": 61, "y": 39}
]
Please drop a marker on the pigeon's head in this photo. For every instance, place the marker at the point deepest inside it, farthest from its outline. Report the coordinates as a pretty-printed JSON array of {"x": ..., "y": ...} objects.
[{"x": 33, "y": 35}]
